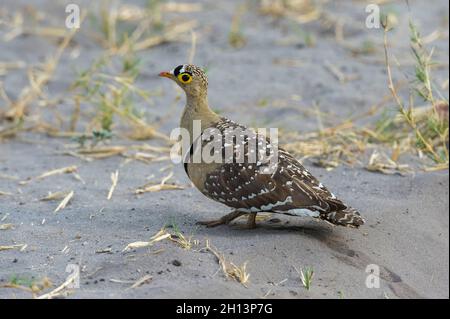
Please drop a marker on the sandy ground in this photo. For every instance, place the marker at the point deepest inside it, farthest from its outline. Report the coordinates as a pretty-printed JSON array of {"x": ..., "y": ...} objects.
[{"x": 407, "y": 223}]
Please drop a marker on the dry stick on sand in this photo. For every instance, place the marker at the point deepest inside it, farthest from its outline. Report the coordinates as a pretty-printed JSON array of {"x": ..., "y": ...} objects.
[
  {"x": 380, "y": 162},
  {"x": 159, "y": 187},
  {"x": 54, "y": 196},
  {"x": 8, "y": 177},
  {"x": 63, "y": 170},
  {"x": 6, "y": 226},
  {"x": 144, "y": 280},
  {"x": 229, "y": 269},
  {"x": 161, "y": 235},
  {"x": 21, "y": 247},
  {"x": 64, "y": 202},
  {"x": 102, "y": 152},
  {"x": 114, "y": 180},
  {"x": 70, "y": 281}
]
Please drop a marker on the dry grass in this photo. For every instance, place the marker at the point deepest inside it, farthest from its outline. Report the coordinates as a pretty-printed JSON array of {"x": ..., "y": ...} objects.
[
  {"x": 6, "y": 226},
  {"x": 111, "y": 89},
  {"x": 141, "y": 281},
  {"x": 20, "y": 247},
  {"x": 38, "y": 78},
  {"x": 421, "y": 131},
  {"x": 329, "y": 147},
  {"x": 236, "y": 37},
  {"x": 106, "y": 93},
  {"x": 185, "y": 242},
  {"x": 59, "y": 171},
  {"x": 140, "y": 152},
  {"x": 301, "y": 11},
  {"x": 61, "y": 290},
  {"x": 55, "y": 196},
  {"x": 148, "y": 29},
  {"x": 347, "y": 143},
  {"x": 238, "y": 273},
  {"x": 122, "y": 30},
  {"x": 380, "y": 162},
  {"x": 114, "y": 181},
  {"x": 64, "y": 202},
  {"x": 430, "y": 126},
  {"x": 161, "y": 235},
  {"x": 150, "y": 187}
]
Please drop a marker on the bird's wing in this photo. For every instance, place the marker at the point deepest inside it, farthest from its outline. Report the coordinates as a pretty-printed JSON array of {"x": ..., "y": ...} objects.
[{"x": 286, "y": 185}]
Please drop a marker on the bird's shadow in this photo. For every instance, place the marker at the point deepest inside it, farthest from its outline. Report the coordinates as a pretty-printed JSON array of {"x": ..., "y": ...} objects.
[
  {"x": 238, "y": 229},
  {"x": 330, "y": 236}
]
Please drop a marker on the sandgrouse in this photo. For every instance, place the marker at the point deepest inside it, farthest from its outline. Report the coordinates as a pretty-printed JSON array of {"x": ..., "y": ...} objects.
[{"x": 285, "y": 187}]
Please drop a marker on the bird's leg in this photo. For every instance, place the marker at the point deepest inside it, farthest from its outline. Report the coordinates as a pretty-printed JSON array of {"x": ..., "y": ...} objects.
[
  {"x": 223, "y": 220},
  {"x": 251, "y": 221}
]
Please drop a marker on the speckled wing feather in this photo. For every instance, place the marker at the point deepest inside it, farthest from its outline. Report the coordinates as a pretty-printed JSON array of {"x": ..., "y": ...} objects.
[{"x": 288, "y": 189}]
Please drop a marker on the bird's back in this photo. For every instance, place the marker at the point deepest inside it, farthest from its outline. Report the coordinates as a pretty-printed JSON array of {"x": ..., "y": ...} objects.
[{"x": 282, "y": 186}]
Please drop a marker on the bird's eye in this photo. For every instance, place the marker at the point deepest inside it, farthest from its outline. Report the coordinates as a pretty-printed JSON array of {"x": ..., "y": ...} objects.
[{"x": 185, "y": 78}]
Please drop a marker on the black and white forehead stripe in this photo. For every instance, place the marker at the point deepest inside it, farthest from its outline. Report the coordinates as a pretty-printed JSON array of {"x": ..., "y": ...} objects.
[{"x": 180, "y": 69}]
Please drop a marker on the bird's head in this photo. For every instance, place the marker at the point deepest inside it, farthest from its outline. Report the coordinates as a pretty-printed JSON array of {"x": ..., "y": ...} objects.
[{"x": 190, "y": 78}]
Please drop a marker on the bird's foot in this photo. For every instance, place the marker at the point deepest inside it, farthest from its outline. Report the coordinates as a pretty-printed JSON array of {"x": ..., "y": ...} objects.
[
  {"x": 225, "y": 220},
  {"x": 222, "y": 221},
  {"x": 212, "y": 223}
]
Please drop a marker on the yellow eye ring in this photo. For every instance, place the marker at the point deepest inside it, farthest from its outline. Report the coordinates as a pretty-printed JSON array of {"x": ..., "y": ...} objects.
[{"x": 184, "y": 78}]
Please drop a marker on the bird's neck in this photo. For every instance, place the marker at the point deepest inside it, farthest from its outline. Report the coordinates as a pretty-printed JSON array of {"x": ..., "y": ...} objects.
[{"x": 197, "y": 108}]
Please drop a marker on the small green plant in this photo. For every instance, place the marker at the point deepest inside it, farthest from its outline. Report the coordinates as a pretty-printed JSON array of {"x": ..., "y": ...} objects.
[
  {"x": 263, "y": 102},
  {"x": 25, "y": 281},
  {"x": 308, "y": 38},
  {"x": 96, "y": 137},
  {"x": 306, "y": 276},
  {"x": 28, "y": 283}
]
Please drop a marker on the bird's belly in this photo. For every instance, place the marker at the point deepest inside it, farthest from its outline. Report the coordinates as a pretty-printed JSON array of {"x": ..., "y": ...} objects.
[{"x": 300, "y": 212}]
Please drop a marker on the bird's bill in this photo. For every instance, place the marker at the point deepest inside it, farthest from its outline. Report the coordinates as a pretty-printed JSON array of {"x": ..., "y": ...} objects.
[{"x": 165, "y": 74}]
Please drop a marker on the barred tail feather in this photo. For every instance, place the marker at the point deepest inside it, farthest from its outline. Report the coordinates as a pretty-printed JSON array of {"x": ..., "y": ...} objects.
[{"x": 346, "y": 217}]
